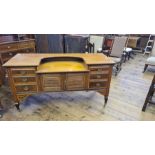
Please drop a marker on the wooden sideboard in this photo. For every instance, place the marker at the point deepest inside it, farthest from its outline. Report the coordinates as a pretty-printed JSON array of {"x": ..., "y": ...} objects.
[
  {"x": 11, "y": 48},
  {"x": 36, "y": 73}
]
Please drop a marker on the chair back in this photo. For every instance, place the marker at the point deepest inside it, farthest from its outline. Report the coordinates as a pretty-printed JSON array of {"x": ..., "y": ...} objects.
[
  {"x": 153, "y": 50},
  {"x": 98, "y": 42},
  {"x": 118, "y": 46}
]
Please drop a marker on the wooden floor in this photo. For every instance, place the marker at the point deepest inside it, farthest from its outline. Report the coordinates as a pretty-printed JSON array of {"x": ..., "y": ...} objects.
[{"x": 127, "y": 94}]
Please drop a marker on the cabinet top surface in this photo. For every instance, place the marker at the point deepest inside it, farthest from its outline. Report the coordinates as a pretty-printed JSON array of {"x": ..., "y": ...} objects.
[{"x": 24, "y": 60}]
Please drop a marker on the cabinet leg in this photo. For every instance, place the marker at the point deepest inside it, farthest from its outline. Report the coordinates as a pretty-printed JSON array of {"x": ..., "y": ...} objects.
[
  {"x": 18, "y": 106},
  {"x": 145, "y": 67},
  {"x": 144, "y": 108},
  {"x": 1, "y": 107},
  {"x": 105, "y": 100}
]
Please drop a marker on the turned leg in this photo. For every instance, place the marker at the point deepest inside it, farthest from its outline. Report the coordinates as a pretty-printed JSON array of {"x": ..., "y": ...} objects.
[
  {"x": 105, "y": 100},
  {"x": 1, "y": 115},
  {"x": 144, "y": 107},
  {"x": 1, "y": 107},
  {"x": 145, "y": 67},
  {"x": 145, "y": 104},
  {"x": 18, "y": 106},
  {"x": 1, "y": 104}
]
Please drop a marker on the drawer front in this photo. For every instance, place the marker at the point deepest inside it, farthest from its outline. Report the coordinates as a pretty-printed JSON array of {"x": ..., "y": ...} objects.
[
  {"x": 24, "y": 79},
  {"x": 25, "y": 88},
  {"x": 99, "y": 76},
  {"x": 98, "y": 85},
  {"x": 75, "y": 81},
  {"x": 52, "y": 82},
  {"x": 8, "y": 47},
  {"x": 100, "y": 72},
  {"x": 26, "y": 45},
  {"x": 23, "y": 71},
  {"x": 99, "y": 68}
]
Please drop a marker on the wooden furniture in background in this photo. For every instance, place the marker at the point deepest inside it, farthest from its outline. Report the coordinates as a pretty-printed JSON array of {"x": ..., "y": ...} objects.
[
  {"x": 151, "y": 59},
  {"x": 133, "y": 42},
  {"x": 32, "y": 73},
  {"x": 149, "y": 95},
  {"x": 11, "y": 48},
  {"x": 117, "y": 53},
  {"x": 76, "y": 43},
  {"x": 108, "y": 43},
  {"x": 62, "y": 43},
  {"x": 49, "y": 43}
]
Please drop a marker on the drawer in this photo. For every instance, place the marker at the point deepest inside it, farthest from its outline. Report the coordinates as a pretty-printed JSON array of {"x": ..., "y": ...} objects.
[
  {"x": 99, "y": 68},
  {"x": 23, "y": 71},
  {"x": 24, "y": 79},
  {"x": 99, "y": 80},
  {"x": 105, "y": 72},
  {"x": 26, "y": 88},
  {"x": 8, "y": 47},
  {"x": 98, "y": 85},
  {"x": 26, "y": 45},
  {"x": 99, "y": 76}
]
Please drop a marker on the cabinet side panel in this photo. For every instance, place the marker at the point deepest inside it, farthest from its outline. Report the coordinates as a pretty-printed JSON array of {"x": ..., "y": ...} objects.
[{"x": 11, "y": 83}]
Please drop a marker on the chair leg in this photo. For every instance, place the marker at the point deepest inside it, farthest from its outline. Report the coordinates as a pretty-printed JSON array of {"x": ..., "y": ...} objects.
[
  {"x": 125, "y": 57},
  {"x": 118, "y": 68},
  {"x": 145, "y": 67}
]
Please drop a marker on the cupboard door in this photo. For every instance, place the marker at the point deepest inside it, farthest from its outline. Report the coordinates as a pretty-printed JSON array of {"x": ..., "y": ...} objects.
[
  {"x": 52, "y": 82},
  {"x": 76, "y": 81}
]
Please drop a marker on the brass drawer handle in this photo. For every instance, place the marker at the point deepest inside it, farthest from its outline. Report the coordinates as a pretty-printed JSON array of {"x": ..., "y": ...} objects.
[
  {"x": 98, "y": 84},
  {"x": 26, "y": 88},
  {"x": 24, "y": 79},
  {"x": 98, "y": 76},
  {"x": 23, "y": 72}
]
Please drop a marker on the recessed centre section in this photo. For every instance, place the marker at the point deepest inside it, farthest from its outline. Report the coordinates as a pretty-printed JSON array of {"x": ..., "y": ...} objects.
[{"x": 62, "y": 64}]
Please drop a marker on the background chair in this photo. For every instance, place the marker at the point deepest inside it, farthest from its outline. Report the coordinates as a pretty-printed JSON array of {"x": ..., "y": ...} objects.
[
  {"x": 108, "y": 44},
  {"x": 151, "y": 60},
  {"x": 117, "y": 52}
]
